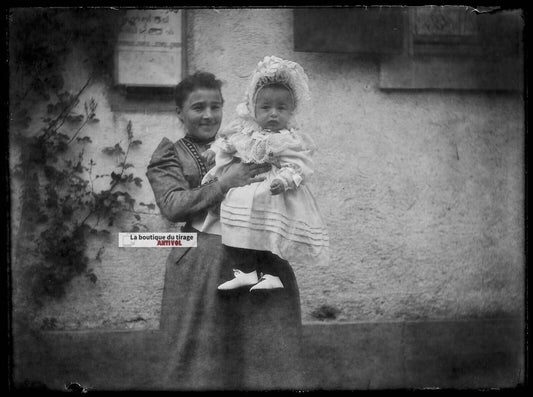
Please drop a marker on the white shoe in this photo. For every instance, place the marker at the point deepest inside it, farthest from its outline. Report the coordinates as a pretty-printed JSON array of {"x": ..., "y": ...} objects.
[
  {"x": 241, "y": 280},
  {"x": 267, "y": 281}
]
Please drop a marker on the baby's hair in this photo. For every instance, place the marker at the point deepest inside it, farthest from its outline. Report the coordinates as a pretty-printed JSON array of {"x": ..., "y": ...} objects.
[{"x": 193, "y": 82}]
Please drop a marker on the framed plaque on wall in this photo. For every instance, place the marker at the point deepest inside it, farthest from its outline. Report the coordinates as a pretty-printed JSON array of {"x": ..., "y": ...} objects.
[{"x": 150, "y": 48}]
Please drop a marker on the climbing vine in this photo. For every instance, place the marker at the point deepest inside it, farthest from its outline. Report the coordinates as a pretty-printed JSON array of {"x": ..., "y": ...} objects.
[{"x": 58, "y": 201}]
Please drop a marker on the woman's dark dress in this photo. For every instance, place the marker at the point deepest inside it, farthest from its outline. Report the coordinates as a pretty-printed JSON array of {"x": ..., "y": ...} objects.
[{"x": 233, "y": 340}]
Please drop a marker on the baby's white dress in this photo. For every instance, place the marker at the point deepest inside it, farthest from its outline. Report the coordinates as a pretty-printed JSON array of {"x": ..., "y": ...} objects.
[{"x": 289, "y": 224}]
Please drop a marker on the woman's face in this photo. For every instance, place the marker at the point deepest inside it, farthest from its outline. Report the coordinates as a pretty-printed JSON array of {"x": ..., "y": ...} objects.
[{"x": 201, "y": 113}]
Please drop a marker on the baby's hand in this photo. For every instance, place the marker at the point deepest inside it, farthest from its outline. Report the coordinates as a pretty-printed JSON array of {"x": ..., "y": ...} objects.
[
  {"x": 209, "y": 158},
  {"x": 276, "y": 187}
]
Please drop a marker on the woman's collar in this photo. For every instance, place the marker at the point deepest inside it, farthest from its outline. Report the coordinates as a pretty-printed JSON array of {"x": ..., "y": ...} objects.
[{"x": 198, "y": 140}]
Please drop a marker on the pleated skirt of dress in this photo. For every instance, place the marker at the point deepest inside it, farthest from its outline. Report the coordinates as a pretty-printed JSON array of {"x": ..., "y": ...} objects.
[
  {"x": 237, "y": 340},
  {"x": 290, "y": 224}
]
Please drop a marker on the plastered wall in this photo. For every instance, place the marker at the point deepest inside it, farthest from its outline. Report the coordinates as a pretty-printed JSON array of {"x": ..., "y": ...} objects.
[{"x": 422, "y": 192}]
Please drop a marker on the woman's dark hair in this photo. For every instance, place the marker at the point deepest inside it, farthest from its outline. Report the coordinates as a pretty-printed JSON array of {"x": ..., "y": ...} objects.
[{"x": 194, "y": 82}]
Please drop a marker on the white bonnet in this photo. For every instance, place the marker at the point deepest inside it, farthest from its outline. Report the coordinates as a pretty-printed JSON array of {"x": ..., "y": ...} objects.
[{"x": 275, "y": 70}]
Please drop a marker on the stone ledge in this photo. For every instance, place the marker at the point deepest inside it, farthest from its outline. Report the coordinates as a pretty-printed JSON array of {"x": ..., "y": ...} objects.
[{"x": 357, "y": 356}]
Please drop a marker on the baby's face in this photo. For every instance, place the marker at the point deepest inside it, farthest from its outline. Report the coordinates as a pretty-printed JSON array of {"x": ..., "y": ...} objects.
[{"x": 273, "y": 108}]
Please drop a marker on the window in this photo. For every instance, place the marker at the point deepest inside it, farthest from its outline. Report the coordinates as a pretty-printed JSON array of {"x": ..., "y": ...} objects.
[
  {"x": 369, "y": 30},
  {"x": 426, "y": 47}
]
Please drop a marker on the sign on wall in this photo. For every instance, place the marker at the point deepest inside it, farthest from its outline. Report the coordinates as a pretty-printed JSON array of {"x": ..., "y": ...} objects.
[{"x": 149, "y": 48}]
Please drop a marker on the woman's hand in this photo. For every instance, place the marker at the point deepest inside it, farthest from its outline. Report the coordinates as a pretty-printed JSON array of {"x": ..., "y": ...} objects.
[{"x": 240, "y": 174}]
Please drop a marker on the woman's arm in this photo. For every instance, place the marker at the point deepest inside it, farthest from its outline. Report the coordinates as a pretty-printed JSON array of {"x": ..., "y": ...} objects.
[{"x": 176, "y": 199}]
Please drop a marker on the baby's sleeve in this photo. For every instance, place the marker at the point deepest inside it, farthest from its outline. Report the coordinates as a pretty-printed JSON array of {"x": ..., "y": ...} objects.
[
  {"x": 224, "y": 152},
  {"x": 224, "y": 149},
  {"x": 295, "y": 167},
  {"x": 294, "y": 160},
  {"x": 222, "y": 145}
]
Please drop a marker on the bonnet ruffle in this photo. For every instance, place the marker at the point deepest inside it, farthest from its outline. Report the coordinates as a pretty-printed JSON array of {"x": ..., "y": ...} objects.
[{"x": 275, "y": 70}]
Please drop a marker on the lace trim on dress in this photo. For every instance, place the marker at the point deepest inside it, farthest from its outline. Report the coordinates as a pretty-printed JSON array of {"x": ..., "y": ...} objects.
[{"x": 255, "y": 145}]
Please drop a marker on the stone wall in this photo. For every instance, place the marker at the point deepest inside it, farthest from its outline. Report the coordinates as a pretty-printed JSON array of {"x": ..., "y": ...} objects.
[{"x": 422, "y": 191}]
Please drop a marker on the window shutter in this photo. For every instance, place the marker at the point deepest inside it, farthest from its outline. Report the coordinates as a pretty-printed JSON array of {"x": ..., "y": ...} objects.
[{"x": 367, "y": 30}]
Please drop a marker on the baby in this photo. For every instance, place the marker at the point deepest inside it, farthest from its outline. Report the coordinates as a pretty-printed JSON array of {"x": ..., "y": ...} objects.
[{"x": 278, "y": 214}]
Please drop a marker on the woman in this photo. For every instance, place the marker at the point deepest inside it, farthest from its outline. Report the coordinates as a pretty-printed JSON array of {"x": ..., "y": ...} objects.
[{"x": 236, "y": 340}]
